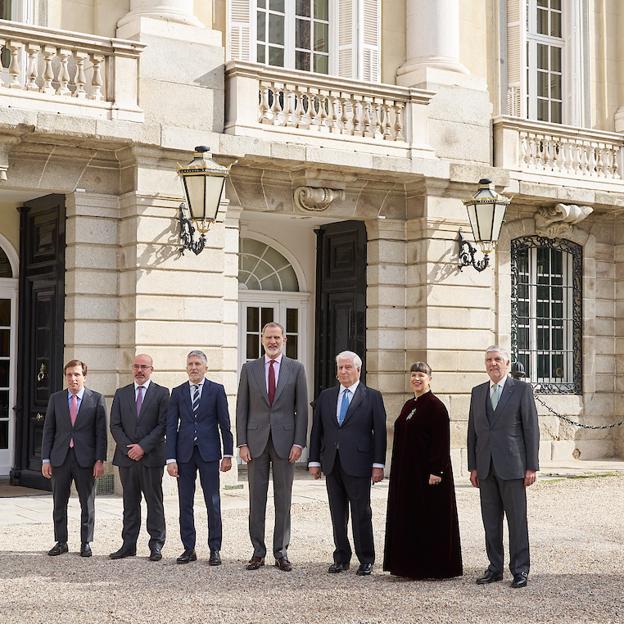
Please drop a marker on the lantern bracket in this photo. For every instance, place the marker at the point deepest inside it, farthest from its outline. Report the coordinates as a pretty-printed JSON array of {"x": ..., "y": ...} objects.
[{"x": 467, "y": 255}]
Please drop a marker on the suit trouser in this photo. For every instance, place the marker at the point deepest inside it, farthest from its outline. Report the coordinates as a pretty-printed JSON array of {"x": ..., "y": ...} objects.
[
  {"x": 62, "y": 477},
  {"x": 138, "y": 480},
  {"x": 344, "y": 491},
  {"x": 209, "y": 479},
  {"x": 258, "y": 476},
  {"x": 505, "y": 497}
]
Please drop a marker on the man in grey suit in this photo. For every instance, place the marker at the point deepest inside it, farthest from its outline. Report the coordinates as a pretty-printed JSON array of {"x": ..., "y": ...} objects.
[
  {"x": 137, "y": 422},
  {"x": 348, "y": 443},
  {"x": 503, "y": 448},
  {"x": 271, "y": 428},
  {"x": 73, "y": 448}
]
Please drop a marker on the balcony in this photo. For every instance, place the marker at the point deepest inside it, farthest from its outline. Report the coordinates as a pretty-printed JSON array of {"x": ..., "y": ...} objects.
[
  {"x": 68, "y": 73},
  {"x": 535, "y": 151},
  {"x": 282, "y": 105}
]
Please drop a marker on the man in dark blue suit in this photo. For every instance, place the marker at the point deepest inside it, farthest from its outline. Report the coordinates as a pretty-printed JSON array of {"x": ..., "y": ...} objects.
[
  {"x": 197, "y": 413},
  {"x": 348, "y": 443}
]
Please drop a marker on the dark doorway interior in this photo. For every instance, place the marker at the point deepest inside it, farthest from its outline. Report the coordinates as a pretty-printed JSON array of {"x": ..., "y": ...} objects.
[
  {"x": 340, "y": 297},
  {"x": 40, "y": 332}
]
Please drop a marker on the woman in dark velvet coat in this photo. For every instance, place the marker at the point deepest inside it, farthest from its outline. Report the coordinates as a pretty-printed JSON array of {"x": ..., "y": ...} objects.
[{"x": 422, "y": 530}]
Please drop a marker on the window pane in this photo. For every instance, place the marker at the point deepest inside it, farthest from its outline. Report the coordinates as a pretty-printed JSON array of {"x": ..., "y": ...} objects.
[
  {"x": 4, "y": 403},
  {"x": 555, "y": 59},
  {"x": 542, "y": 110},
  {"x": 253, "y": 347},
  {"x": 5, "y": 312},
  {"x": 302, "y": 61},
  {"x": 4, "y": 373},
  {"x": 260, "y": 56},
  {"x": 5, "y": 335},
  {"x": 321, "y": 9},
  {"x": 555, "y": 4},
  {"x": 266, "y": 316},
  {"x": 292, "y": 320},
  {"x": 555, "y": 112},
  {"x": 321, "y": 37},
  {"x": 276, "y": 5},
  {"x": 4, "y": 434},
  {"x": 303, "y": 8},
  {"x": 276, "y": 56},
  {"x": 261, "y": 26},
  {"x": 542, "y": 56},
  {"x": 542, "y": 84},
  {"x": 542, "y": 21},
  {"x": 292, "y": 347},
  {"x": 542, "y": 3},
  {"x": 302, "y": 34},
  {"x": 261, "y": 4},
  {"x": 276, "y": 30},
  {"x": 321, "y": 64},
  {"x": 555, "y": 24},
  {"x": 253, "y": 320}
]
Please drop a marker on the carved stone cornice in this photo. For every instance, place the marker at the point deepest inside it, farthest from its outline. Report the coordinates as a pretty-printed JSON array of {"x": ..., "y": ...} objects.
[{"x": 557, "y": 221}]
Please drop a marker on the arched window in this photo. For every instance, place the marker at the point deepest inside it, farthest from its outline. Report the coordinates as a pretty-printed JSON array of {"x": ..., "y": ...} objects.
[
  {"x": 261, "y": 267},
  {"x": 546, "y": 312},
  {"x": 5, "y": 265}
]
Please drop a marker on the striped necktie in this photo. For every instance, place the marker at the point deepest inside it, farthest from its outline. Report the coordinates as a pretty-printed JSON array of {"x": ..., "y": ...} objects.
[{"x": 195, "y": 401}]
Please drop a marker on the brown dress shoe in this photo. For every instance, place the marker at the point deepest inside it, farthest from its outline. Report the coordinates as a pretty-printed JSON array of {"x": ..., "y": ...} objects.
[
  {"x": 283, "y": 564},
  {"x": 255, "y": 563}
]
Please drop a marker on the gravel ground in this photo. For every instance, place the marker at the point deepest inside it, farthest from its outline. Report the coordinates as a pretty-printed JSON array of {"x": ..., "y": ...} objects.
[{"x": 577, "y": 542}]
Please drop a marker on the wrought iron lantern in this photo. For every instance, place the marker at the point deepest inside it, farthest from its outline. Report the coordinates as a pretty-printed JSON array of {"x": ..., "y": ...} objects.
[
  {"x": 202, "y": 182},
  {"x": 486, "y": 213}
]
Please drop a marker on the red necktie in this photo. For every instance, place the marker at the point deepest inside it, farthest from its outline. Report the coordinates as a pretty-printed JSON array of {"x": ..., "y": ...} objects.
[
  {"x": 271, "y": 382},
  {"x": 73, "y": 414}
]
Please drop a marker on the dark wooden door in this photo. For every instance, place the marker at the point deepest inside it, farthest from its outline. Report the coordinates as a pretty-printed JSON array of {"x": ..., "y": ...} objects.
[
  {"x": 40, "y": 334},
  {"x": 340, "y": 297}
]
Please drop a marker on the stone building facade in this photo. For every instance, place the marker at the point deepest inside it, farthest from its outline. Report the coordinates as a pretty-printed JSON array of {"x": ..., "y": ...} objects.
[{"x": 355, "y": 129}]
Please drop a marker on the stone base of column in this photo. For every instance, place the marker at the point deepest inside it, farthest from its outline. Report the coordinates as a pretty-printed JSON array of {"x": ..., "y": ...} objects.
[
  {"x": 135, "y": 26},
  {"x": 438, "y": 71}
]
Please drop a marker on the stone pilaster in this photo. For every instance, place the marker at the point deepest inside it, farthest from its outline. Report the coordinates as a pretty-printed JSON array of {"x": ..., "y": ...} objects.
[{"x": 619, "y": 337}]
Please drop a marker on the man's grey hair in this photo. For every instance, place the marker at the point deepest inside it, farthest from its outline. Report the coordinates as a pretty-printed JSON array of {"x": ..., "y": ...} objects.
[
  {"x": 349, "y": 355},
  {"x": 497, "y": 349},
  {"x": 199, "y": 354}
]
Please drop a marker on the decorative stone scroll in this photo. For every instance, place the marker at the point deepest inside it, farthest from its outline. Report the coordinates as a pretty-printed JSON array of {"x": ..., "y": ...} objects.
[
  {"x": 312, "y": 199},
  {"x": 557, "y": 221}
]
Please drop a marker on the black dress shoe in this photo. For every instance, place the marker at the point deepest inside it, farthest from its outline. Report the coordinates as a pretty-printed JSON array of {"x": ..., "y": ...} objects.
[
  {"x": 122, "y": 553},
  {"x": 255, "y": 563},
  {"x": 85, "y": 549},
  {"x": 215, "y": 558},
  {"x": 365, "y": 569},
  {"x": 520, "y": 580},
  {"x": 187, "y": 556},
  {"x": 334, "y": 568},
  {"x": 283, "y": 564},
  {"x": 490, "y": 577},
  {"x": 58, "y": 549},
  {"x": 155, "y": 553}
]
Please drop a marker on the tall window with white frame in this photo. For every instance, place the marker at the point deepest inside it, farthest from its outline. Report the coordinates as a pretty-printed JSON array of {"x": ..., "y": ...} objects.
[
  {"x": 546, "y": 312},
  {"x": 293, "y": 34},
  {"x": 545, "y": 57}
]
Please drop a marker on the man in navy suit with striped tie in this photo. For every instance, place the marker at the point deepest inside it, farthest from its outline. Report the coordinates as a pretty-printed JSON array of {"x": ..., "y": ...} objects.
[{"x": 198, "y": 422}]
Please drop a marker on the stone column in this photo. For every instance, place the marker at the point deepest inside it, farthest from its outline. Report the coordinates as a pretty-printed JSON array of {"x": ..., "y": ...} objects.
[
  {"x": 179, "y": 11},
  {"x": 619, "y": 337},
  {"x": 432, "y": 41}
]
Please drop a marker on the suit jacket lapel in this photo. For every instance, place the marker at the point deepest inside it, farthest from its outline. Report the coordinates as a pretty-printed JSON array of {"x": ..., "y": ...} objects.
[
  {"x": 256, "y": 369},
  {"x": 334, "y": 402},
  {"x": 86, "y": 398},
  {"x": 284, "y": 377},
  {"x": 358, "y": 397},
  {"x": 147, "y": 398},
  {"x": 508, "y": 390},
  {"x": 65, "y": 408}
]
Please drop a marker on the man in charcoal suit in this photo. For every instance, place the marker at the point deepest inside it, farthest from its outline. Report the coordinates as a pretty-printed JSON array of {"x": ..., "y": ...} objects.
[
  {"x": 271, "y": 431},
  {"x": 198, "y": 422},
  {"x": 503, "y": 448},
  {"x": 348, "y": 443},
  {"x": 73, "y": 448},
  {"x": 137, "y": 423}
]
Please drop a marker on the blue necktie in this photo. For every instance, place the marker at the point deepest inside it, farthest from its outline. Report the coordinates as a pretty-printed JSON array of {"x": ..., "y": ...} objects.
[{"x": 344, "y": 406}]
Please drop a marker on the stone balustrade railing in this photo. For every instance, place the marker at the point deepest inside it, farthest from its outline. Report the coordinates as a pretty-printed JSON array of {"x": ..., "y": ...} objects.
[
  {"x": 263, "y": 99},
  {"x": 67, "y": 72},
  {"x": 556, "y": 150}
]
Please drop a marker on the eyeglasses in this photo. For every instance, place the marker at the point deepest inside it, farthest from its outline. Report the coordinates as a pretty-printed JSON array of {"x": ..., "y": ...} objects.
[{"x": 141, "y": 366}]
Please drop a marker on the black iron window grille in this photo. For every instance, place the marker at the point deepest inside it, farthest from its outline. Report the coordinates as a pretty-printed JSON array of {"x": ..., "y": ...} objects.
[{"x": 547, "y": 312}]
